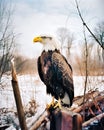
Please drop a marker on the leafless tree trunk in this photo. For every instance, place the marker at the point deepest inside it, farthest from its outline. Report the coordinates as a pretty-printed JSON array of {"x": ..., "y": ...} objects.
[{"x": 86, "y": 71}]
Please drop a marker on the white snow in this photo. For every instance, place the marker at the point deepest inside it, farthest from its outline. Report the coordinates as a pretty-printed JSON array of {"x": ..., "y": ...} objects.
[
  {"x": 93, "y": 82},
  {"x": 31, "y": 87}
]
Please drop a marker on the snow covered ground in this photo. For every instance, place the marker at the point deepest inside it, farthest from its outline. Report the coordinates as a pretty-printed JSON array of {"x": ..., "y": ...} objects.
[{"x": 32, "y": 88}]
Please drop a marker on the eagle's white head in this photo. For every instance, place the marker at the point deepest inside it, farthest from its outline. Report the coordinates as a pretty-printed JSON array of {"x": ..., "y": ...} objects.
[{"x": 48, "y": 42}]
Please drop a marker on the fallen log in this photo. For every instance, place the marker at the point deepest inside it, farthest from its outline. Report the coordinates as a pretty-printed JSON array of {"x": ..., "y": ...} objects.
[
  {"x": 88, "y": 104},
  {"x": 98, "y": 117},
  {"x": 78, "y": 101}
]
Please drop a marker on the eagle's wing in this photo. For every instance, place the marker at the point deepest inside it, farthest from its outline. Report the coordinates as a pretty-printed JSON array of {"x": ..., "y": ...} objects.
[
  {"x": 40, "y": 69},
  {"x": 64, "y": 73}
]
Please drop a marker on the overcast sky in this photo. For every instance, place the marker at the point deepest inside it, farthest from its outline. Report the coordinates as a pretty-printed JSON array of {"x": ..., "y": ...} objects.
[{"x": 35, "y": 17}]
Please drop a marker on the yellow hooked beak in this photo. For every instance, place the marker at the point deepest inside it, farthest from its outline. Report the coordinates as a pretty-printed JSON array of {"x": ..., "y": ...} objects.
[{"x": 37, "y": 39}]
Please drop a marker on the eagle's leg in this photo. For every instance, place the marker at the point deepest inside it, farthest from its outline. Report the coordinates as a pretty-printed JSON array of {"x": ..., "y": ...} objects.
[
  {"x": 51, "y": 104},
  {"x": 58, "y": 104}
]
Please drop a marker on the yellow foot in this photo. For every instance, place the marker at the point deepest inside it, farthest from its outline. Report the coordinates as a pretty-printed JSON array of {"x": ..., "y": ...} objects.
[
  {"x": 58, "y": 104},
  {"x": 54, "y": 105},
  {"x": 48, "y": 106}
]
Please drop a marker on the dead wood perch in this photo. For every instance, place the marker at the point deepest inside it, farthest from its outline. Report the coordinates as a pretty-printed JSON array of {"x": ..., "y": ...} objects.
[
  {"x": 59, "y": 120},
  {"x": 63, "y": 119},
  {"x": 18, "y": 101}
]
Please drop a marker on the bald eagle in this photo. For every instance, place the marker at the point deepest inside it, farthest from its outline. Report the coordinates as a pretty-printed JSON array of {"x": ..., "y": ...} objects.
[{"x": 55, "y": 71}]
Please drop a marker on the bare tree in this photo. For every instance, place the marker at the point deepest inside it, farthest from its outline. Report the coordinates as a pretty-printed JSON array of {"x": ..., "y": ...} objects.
[
  {"x": 66, "y": 39},
  {"x": 99, "y": 33},
  {"x": 99, "y": 41},
  {"x": 62, "y": 35},
  {"x": 7, "y": 36}
]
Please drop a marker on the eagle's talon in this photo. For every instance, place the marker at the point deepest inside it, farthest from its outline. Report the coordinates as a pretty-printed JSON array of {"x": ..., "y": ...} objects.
[
  {"x": 58, "y": 104},
  {"x": 48, "y": 106},
  {"x": 54, "y": 105}
]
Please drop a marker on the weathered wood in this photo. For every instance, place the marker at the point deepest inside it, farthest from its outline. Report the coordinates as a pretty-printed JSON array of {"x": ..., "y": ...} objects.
[
  {"x": 93, "y": 119},
  {"x": 64, "y": 120},
  {"x": 78, "y": 101},
  {"x": 18, "y": 99},
  {"x": 59, "y": 120},
  {"x": 69, "y": 117},
  {"x": 88, "y": 104},
  {"x": 90, "y": 95},
  {"x": 77, "y": 122}
]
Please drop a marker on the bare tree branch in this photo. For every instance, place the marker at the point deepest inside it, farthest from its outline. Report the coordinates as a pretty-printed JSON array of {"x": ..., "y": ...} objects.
[{"x": 84, "y": 23}]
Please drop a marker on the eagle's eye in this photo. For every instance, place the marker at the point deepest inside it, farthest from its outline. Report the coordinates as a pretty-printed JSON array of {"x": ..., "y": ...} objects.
[{"x": 45, "y": 37}]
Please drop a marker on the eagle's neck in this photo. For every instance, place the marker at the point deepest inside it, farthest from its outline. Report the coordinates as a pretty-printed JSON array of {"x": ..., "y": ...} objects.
[{"x": 50, "y": 46}]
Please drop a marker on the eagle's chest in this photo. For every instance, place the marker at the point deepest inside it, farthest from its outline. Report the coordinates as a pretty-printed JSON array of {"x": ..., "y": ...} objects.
[
  {"x": 48, "y": 75},
  {"x": 47, "y": 69}
]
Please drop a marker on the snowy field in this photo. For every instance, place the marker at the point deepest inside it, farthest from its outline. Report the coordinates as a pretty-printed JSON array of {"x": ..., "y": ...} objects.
[{"x": 32, "y": 88}]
